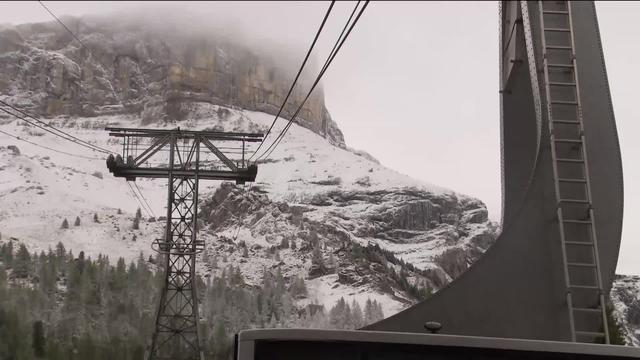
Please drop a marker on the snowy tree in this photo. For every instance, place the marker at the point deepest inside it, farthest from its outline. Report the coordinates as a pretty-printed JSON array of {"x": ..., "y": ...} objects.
[
  {"x": 284, "y": 244},
  {"x": 65, "y": 224},
  {"x": 245, "y": 251},
  {"x": 314, "y": 240},
  {"x": 369, "y": 312},
  {"x": 77, "y": 222},
  {"x": 279, "y": 282},
  {"x": 332, "y": 263},
  {"x": 317, "y": 259},
  {"x": 340, "y": 314},
  {"x": 119, "y": 211},
  {"x": 298, "y": 288},
  {"x": 358, "y": 317},
  {"x": 95, "y": 218},
  {"x": 373, "y": 312}
]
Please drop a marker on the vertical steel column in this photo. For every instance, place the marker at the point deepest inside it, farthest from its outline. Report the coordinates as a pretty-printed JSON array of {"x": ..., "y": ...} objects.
[{"x": 176, "y": 333}]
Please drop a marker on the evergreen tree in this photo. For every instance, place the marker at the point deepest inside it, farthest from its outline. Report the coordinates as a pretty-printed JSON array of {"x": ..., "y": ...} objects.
[
  {"x": 119, "y": 211},
  {"x": 332, "y": 261},
  {"x": 378, "y": 314},
  {"x": 317, "y": 259},
  {"x": 245, "y": 252},
  {"x": 7, "y": 253},
  {"x": 616, "y": 334},
  {"x": 77, "y": 222},
  {"x": 284, "y": 244},
  {"x": 60, "y": 250},
  {"x": 313, "y": 238},
  {"x": 22, "y": 263},
  {"x": 38, "y": 340},
  {"x": 136, "y": 223},
  {"x": 358, "y": 317},
  {"x": 95, "y": 218},
  {"x": 369, "y": 316},
  {"x": 3, "y": 281},
  {"x": 339, "y": 314},
  {"x": 293, "y": 244},
  {"x": 138, "y": 214},
  {"x": 65, "y": 224},
  {"x": 298, "y": 288}
]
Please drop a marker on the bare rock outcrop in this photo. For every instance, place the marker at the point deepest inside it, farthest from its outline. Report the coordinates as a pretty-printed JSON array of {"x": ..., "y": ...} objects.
[{"x": 154, "y": 73}]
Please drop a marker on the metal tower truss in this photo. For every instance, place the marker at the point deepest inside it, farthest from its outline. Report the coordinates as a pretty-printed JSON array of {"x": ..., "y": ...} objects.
[{"x": 183, "y": 157}]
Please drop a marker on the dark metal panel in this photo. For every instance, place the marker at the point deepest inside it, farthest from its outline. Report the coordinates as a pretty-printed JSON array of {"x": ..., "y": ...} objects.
[
  {"x": 601, "y": 136},
  {"x": 329, "y": 338}
]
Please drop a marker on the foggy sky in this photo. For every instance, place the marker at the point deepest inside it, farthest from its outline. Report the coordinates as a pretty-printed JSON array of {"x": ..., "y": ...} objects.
[{"x": 416, "y": 84}]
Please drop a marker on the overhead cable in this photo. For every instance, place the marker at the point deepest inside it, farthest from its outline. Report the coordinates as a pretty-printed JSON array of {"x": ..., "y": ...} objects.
[
  {"x": 48, "y": 148},
  {"x": 304, "y": 62},
  {"x": 51, "y": 129},
  {"x": 328, "y": 62}
]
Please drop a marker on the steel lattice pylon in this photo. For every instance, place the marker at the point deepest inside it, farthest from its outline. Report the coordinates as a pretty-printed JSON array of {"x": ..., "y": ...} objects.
[
  {"x": 176, "y": 334},
  {"x": 181, "y": 157}
]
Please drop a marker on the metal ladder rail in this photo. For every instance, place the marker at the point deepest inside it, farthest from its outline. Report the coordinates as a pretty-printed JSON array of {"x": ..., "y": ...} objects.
[
  {"x": 557, "y": 180},
  {"x": 555, "y": 174},
  {"x": 594, "y": 236}
]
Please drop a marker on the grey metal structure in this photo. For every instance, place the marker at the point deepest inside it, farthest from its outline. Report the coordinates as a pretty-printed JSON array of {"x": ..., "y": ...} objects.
[
  {"x": 548, "y": 273},
  {"x": 312, "y": 344},
  {"x": 184, "y": 158}
]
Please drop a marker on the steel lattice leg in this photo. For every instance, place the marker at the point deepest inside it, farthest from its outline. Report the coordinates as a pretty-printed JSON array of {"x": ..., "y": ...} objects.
[{"x": 176, "y": 333}]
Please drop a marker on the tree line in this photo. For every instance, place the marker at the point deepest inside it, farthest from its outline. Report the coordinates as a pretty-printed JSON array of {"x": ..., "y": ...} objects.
[{"x": 56, "y": 305}]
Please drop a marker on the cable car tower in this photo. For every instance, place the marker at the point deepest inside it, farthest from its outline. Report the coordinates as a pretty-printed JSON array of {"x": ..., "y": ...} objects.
[{"x": 184, "y": 158}]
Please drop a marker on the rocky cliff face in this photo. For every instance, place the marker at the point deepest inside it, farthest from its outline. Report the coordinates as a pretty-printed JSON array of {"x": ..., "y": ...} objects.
[
  {"x": 625, "y": 296},
  {"x": 159, "y": 74}
]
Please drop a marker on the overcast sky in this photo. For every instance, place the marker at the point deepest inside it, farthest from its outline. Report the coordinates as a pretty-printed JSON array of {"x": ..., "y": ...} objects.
[{"x": 416, "y": 84}]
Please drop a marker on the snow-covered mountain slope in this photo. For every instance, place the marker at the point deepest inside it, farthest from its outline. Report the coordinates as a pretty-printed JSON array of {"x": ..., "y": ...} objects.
[{"x": 360, "y": 230}]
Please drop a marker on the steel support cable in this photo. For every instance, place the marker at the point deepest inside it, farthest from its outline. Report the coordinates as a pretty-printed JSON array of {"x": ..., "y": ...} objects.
[
  {"x": 244, "y": 197},
  {"x": 144, "y": 199},
  {"x": 304, "y": 62},
  {"x": 137, "y": 199},
  {"x": 330, "y": 58},
  {"x": 50, "y": 129},
  {"x": 48, "y": 148},
  {"x": 328, "y": 62}
]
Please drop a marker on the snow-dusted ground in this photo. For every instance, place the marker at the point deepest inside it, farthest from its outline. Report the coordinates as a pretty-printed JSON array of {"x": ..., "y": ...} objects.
[{"x": 40, "y": 188}]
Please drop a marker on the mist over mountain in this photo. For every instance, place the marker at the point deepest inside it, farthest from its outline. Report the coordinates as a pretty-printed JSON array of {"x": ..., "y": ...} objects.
[{"x": 156, "y": 68}]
